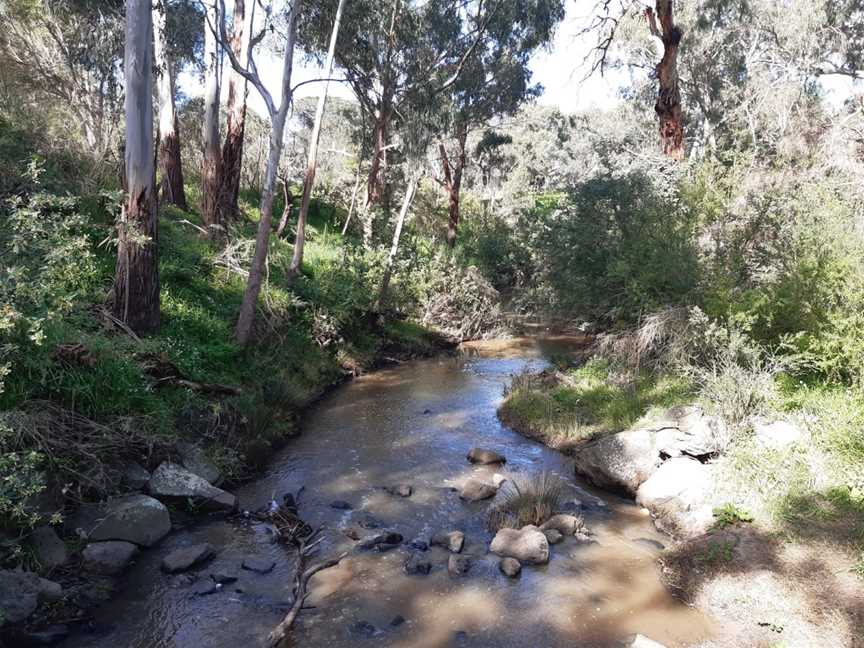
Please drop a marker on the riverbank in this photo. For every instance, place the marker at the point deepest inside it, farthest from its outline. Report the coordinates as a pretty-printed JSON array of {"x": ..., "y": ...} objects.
[{"x": 768, "y": 521}]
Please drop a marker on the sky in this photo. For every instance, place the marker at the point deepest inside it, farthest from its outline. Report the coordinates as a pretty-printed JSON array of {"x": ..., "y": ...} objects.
[{"x": 560, "y": 68}]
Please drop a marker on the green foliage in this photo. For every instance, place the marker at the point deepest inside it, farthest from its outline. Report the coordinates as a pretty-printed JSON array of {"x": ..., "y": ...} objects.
[{"x": 730, "y": 515}]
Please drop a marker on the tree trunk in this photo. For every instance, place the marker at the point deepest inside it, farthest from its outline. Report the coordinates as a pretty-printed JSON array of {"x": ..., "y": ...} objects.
[
  {"x": 394, "y": 248},
  {"x": 288, "y": 200},
  {"x": 232, "y": 150},
  {"x": 668, "y": 105},
  {"x": 170, "y": 165},
  {"x": 136, "y": 284},
  {"x": 312, "y": 159},
  {"x": 211, "y": 165},
  {"x": 243, "y": 330},
  {"x": 453, "y": 183}
]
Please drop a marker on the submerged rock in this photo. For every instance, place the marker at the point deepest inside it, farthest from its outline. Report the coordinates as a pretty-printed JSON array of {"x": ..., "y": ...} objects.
[
  {"x": 620, "y": 461},
  {"x": 258, "y": 565},
  {"x": 134, "y": 518},
  {"x": 173, "y": 481},
  {"x": 475, "y": 490},
  {"x": 397, "y": 621},
  {"x": 341, "y": 505},
  {"x": 417, "y": 564},
  {"x": 389, "y": 539},
  {"x": 458, "y": 565},
  {"x": 484, "y": 456},
  {"x": 453, "y": 541},
  {"x": 363, "y": 629},
  {"x": 510, "y": 567},
  {"x": 527, "y": 545},
  {"x": 187, "y": 557},
  {"x": 108, "y": 558},
  {"x": 400, "y": 490}
]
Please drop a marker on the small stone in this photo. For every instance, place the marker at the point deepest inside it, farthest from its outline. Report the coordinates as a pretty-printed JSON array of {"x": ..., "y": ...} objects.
[
  {"x": 340, "y": 505},
  {"x": 382, "y": 539},
  {"x": 353, "y": 534},
  {"x": 510, "y": 567},
  {"x": 419, "y": 545},
  {"x": 453, "y": 541},
  {"x": 206, "y": 587},
  {"x": 400, "y": 490},
  {"x": 187, "y": 557},
  {"x": 108, "y": 558},
  {"x": 223, "y": 577},
  {"x": 50, "y": 549},
  {"x": 483, "y": 456},
  {"x": 397, "y": 621},
  {"x": 475, "y": 490},
  {"x": 565, "y": 524},
  {"x": 553, "y": 536},
  {"x": 584, "y": 538},
  {"x": 369, "y": 521},
  {"x": 416, "y": 564},
  {"x": 458, "y": 565},
  {"x": 258, "y": 565},
  {"x": 363, "y": 629}
]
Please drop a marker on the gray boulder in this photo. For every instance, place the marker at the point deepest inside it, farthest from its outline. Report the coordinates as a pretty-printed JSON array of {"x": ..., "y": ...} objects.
[
  {"x": 510, "y": 567},
  {"x": 688, "y": 430},
  {"x": 133, "y": 518},
  {"x": 49, "y": 548},
  {"x": 458, "y": 565},
  {"x": 527, "y": 545},
  {"x": 475, "y": 490},
  {"x": 679, "y": 497},
  {"x": 108, "y": 558},
  {"x": 565, "y": 524},
  {"x": 21, "y": 593},
  {"x": 187, "y": 557},
  {"x": 196, "y": 461},
  {"x": 619, "y": 461},
  {"x": 172, "y": 481},
  {"x": 452, "y": 541},
  {"x": 135, "y": 476},
  {"x": 484, "y": 456}
]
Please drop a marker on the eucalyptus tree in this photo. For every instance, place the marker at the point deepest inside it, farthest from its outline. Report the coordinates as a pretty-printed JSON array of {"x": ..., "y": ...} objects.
[
  {"x": 211, "y": 163},
  {"x": 494, "y": 82},
  {"x": 136, "y": 283},
  {"x": 170, "y": 163},
  {"x": 278, "y": 115}
]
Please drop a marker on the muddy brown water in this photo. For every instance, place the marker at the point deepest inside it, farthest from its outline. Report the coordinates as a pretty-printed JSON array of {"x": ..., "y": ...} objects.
[{"x": 410, "y": 424}]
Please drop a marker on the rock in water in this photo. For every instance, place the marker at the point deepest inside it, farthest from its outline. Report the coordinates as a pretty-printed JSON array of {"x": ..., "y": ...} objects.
[
  {"x": 187, "y": 557},
  {"x": 108, "y": 558},
  {"x": 475, "y": 490},
  {"x": 620, "y": 461},
  {"x": 133, "y": 518},
  {"x": 389, "y": 540},
  {"x": 554, "y": 536},
  {"x": 341, "y": 505},
  {"x": 258, "y": 565},
  {"x": 458, "y": 565},
  {"x": 567, "y": 525},
  {"x": 416, "y": 564},
  {"x": 172, "y": 481},
  {"x": 50, "y": 549},
  {"x": 527, "y": 545},
  {"x": 483, "y": 456},
  {"x": 510, "y": 567},
  {"x": 400, "y": 490},
  {"x": 453, "y": 541}
]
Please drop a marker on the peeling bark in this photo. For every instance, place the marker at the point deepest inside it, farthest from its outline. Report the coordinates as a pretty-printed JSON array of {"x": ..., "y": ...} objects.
[
  {"x": 232, "y": 149},
  {"x": 136, "y": 283},
  {"x": 668, "y": 105}
]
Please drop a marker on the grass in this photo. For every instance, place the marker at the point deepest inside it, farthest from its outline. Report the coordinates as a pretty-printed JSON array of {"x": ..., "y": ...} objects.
[
  {"x": 566, "y": 407},
  {"x": 527, "y": 500}
]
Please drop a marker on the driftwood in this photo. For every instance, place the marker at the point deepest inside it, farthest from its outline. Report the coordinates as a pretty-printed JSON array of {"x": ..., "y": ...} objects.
[{"x": 306, "y": 546}]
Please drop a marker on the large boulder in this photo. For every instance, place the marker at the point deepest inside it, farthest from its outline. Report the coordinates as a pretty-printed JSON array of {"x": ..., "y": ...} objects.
[
  {"x": 484, "y": 456},
  {"x": 689, "y": 430},
  {"x": 527, "y": 545},
  {"x": 133, "y": 518},
  {"x": 108, "y": 558},
  {"x": 172, "y": 481},
  {"x": 21, "y": 593},
  {"x": 475, "y": 490},
  {"x": 619, "y": 461},
  {"x": 196, "y": 461},
  {"x": 678, "y": 494},
  {"x": 50, "y": 550}
]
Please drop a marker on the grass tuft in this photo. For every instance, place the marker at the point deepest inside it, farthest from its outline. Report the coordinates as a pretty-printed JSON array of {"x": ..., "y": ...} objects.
[{"x": 527, "y": 500}]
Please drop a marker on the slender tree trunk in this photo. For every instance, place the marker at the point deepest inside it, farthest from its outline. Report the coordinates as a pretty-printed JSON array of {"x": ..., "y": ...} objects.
[
  {"x": 211, "y": 164},
  {"x": 668, "y": 105},
  {"x": 170, "y": 165},
  {"x": 357, "y": 181},
  {"x": 288, "y": 200},
  {"x": 312, "y": 159},
  {"x": 453, "y": 183},
  {"x": 243, "y": 330},
  {"x": 232, "y": 150},
  {"x": 394, "y": 248},
  {"x": 136, "y": 284}
]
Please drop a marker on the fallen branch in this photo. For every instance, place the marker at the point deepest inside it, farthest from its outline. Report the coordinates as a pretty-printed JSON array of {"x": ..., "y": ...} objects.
[{"x": 305, "y": 547}]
